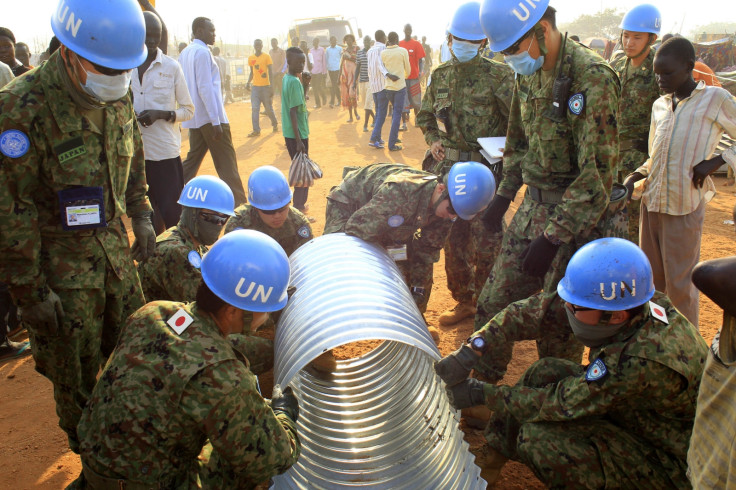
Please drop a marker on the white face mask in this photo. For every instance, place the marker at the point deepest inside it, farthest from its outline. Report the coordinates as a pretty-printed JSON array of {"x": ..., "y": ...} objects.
[{"x": 107, "y": 88}]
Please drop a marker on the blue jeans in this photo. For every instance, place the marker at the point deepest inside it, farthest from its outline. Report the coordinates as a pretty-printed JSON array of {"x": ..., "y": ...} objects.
[
  {"x": 258, "y": 96},
  {"x": 397, "y": 98},
  {"x": 381, "y": 102}
]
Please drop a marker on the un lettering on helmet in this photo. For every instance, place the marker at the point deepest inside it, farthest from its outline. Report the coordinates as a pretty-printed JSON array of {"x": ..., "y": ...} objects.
[
  {"x": 460, "y": 180},
  {"x": 197, "y": 194},
  {"x": 623, "y": 288},
  {"x": 525, "y": 16},
  {"x": 73, "y": 22},
  {"x": 260, "y": 290}
]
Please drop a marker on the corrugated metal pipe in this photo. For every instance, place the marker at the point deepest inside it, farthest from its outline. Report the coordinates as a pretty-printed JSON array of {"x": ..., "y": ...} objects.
[{"x": 381, "y": 421}]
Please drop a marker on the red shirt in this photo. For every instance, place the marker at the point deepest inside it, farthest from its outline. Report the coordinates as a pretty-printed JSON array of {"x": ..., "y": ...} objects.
[{"x": 416, "y": 53}]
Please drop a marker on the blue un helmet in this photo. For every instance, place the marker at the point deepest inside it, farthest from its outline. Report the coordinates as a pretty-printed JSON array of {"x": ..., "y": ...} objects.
[
  {"x": 208, "y": 192},
  {"x": 471, "y": 186},
  {"x": 465, "y": 23},
  {"x": 505, "y": 21},
  {"x": 110, "y": 33},
  {"x": 248, "y": 270},
  {"x": 268, "y": 189},
  {"x": 609, "y": 274},
  {"x": 642, "y": 18}
]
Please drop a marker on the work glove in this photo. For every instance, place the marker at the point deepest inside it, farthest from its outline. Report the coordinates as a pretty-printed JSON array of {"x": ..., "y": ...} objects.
[
  {"x": 538, "y": 256},
  {"x": 456, "y": 367},
  {"x": 145, "y": 237},
  {"x": 494, "y": 214},
  {"x": 45, "y": 316},
  {"x": 467, "y": 394},
  {"x": 285, "y": 402}
]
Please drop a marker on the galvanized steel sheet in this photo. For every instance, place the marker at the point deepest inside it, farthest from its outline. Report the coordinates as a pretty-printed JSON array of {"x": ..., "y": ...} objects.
[{"x": 381, "y": 421}]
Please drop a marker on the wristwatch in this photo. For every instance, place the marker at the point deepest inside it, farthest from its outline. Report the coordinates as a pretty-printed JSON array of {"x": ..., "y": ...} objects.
[
  {"x": 478, "y": 343},
  {"x": 417, "y": 291}
]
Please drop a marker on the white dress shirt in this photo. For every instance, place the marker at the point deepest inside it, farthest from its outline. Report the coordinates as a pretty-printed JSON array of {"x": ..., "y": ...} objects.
[
  {"x": 203, "y": 79},
  {"x": 163, "y": 87},
  {"x": 376, "y": 70}
]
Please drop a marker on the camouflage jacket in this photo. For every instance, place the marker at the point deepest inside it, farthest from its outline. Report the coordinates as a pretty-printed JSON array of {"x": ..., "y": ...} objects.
[
  {"x": 294, "y": 233},
  {"x": 651, "y": 383},
  {"x": 391, "y": 206},
  {"x": 472, "y": 99},
  {"x": 64, "y": 152},
  {"x": 579, "y": 154},
  {"x": 167, "y": 274},
  {"x": 163, "y": 395},
  {"x": 639, "y": 90}
]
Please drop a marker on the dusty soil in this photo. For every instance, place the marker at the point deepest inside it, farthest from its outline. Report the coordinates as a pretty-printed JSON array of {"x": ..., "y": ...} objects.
[{"x": 34, "y": 451}]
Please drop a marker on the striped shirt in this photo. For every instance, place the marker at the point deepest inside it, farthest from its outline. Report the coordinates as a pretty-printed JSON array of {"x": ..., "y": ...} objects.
[
  {"x": 376, "y": 70},
  {"x": 678, "y": 141},
  {"x": 362, "y": 60},
  {"x": 712, "y": 455}
]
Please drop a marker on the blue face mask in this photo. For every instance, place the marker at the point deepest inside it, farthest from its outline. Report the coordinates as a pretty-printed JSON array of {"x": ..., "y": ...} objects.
[
  {"x": 463, "y": 50},
  {"x": 523, "y": 63}
]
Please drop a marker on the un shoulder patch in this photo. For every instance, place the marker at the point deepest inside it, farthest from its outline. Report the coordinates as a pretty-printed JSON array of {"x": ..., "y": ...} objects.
[
  {"x": 596, "y": 371},
  {"x": 303, "y": 232},
  {"x": 194, "y": 259},
  {"x": 395, "y": 221},
  {"x": 576, "y": 103},
  {"x": 14, "y": 143}
]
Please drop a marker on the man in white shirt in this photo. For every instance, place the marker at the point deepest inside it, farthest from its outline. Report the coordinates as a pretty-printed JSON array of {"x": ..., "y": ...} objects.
[
  {"x": 377, "y": 74},
  {"x": 158, "y": 85},
  {"x": 209, "y": 129}
]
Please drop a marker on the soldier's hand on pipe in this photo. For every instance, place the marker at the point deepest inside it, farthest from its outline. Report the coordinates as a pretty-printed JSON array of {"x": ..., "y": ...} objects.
[
  {"x": 284, "y": 401},
  {"x": 456, "y": 367},
  {"x": 467, "y": 394}
]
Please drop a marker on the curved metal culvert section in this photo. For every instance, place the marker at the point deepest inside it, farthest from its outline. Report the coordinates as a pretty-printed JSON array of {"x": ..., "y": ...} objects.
[{"x": 381, "y": 421}]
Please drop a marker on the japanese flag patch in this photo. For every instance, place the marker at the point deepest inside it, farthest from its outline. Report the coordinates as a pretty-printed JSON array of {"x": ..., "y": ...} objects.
[
  {"x": 659, "y": 313},
  {"x": 303, "y": 231},
  {"x": 576, "y": 103},
  {"x": 596, "y": 371},
  {"x": 180, "y": 321}
]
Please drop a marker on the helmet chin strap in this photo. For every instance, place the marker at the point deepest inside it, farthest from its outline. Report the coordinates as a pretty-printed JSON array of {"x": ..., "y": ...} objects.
[
  {"x": 539, "y": 34},
  {"x": 445, "y": 195}
]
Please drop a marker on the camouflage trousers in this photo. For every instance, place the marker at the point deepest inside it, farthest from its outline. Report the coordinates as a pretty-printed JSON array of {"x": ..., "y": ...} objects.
[
  {"x": 508, "y": 283},
  {"x": 593, "y": 452},
  {"x": 470, "y": 251},
  {"x": 337, "y": 215},
  {"x": 71, "y": 356}
]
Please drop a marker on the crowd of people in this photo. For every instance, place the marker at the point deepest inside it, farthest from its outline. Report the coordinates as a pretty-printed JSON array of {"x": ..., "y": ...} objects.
[{"x": 615, "y": 162}]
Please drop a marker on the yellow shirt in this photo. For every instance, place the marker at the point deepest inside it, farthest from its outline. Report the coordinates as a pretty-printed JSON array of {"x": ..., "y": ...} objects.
[
  {"x": 259, "y": 65},
  {"x": 396, "y": 60}
]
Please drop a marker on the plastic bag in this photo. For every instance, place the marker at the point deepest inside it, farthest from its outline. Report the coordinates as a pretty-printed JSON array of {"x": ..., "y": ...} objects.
[{"x": 303, "y": 171}]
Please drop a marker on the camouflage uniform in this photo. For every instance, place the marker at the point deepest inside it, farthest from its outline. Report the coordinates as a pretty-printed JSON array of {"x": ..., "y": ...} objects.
[
  {"x": 390, "y": 205},
  {"x": 163, "y": 398},
  {"x": 625, "y": 425},
  {"x": 474, "y": 100},
  {"x": 639, "y": 90},
  {"x": 294, "y": 233},
  {"x": 91, "y": 270},
  {"x": 167, "y": 275},
  {"x": 568, "y": 167}
]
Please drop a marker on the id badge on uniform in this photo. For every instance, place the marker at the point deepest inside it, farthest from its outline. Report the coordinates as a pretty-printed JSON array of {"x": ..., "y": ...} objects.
[
  {"x": 398, "y": 253},
  {"x": 82, "y": 208}
]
